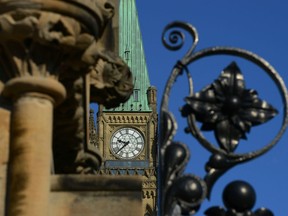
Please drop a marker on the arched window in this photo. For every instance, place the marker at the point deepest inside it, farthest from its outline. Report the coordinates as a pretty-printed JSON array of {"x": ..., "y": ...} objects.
[{"x": 148, "y": 211}]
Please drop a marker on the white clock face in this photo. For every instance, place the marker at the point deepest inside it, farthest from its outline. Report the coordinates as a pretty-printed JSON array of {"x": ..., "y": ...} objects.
[{"x": 127, "y": 143}]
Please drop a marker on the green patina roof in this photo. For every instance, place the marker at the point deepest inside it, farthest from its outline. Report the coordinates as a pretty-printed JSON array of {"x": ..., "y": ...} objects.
[{"x": 132, "y": 52}]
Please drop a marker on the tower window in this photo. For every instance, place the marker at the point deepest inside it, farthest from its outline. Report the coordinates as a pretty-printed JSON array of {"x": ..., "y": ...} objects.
[
  {"x": 127, "y": 53},
  {"x": 136, "y": 94}
]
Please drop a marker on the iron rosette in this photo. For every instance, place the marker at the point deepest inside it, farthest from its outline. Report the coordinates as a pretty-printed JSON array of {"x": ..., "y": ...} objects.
[{"x": 225, "y": 107}]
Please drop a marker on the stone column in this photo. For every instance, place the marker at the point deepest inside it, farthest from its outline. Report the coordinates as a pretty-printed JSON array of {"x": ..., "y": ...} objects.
[
  {"x": 31, "y": 143},
  {"x": 4, "y": 152}
]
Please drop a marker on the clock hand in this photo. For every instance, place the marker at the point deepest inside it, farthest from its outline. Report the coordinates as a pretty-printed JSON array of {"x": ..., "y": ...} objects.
[
  {"x": 120, "y": 141},
  {"x": 125, "y": 144}
]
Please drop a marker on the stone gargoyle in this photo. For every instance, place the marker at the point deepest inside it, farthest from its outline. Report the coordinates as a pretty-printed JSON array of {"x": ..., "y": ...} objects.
[{"x": 110, "y": 83}]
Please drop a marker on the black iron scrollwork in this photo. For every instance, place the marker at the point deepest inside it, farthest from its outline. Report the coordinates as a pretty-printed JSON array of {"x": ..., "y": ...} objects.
[{"x": 225, "y": 107}]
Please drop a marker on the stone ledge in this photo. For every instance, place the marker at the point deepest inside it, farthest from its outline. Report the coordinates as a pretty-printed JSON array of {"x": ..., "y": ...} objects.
[
  {"x": 89, "y": 195},
  {"x": 95, "y": 183}
]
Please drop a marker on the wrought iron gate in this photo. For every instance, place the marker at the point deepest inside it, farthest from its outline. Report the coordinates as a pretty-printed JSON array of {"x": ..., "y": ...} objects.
[{"x": 225, "y": 107}]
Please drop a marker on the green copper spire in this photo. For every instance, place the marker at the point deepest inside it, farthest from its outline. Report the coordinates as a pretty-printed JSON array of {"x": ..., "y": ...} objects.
[{"x": 132, "y": 52}]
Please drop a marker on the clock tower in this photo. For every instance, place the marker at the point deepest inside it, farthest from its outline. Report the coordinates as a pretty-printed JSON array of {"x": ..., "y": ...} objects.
[{"x": 127, "y": 135}]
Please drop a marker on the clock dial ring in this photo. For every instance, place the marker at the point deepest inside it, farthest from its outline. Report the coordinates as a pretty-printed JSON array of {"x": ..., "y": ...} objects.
[{"x": 127, "y": 143}]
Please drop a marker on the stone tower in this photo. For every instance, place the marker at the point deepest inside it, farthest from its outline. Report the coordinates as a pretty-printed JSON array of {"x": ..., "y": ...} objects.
[{"x": 127, "y": 135}]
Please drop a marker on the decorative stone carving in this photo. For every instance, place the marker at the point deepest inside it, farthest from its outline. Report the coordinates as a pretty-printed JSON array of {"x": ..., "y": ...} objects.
[
  {"x": 92, "y": 129},
  {"x": 110, "y": 82},
  {"x": 110, "y": 78},
  {"x": 26, "y": 34},
  {"x": 127, "y": 119},
  {"x": 44, "y": 46}
]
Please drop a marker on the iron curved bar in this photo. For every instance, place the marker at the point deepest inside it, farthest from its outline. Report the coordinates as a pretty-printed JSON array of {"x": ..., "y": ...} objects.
[
  {"x": 175, "y": 42},
  {"x": 263, "y": 64},
  {"x": 176, "y": 35},
  {"x": 174, "y": 38}
]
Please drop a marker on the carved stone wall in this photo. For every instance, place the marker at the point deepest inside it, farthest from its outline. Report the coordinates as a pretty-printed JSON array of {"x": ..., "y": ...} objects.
[{"x": 52, "y": 54}]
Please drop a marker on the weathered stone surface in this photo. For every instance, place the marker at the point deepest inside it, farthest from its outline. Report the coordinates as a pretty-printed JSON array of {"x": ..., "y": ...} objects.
[
  {"x": 30, "y": 155},
  {"x": 110, "y": 79},
  {"x": 77, "y": 195},
  {"x": 49, "y": 49},
  {"x": 4, "y": 154}
]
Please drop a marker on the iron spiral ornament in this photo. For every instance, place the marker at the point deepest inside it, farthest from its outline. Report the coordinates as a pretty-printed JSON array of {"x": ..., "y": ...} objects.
[{"x": 225, "y": 107}]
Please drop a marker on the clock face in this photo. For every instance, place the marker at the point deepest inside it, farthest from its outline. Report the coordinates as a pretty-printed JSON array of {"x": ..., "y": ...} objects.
[{"x": 127, "y": 143}]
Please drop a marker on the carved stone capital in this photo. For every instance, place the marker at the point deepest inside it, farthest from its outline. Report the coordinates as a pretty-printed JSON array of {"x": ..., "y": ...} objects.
[
  {"x": 43, "y": 38},
  {"x": 60, "y": 38},
  {"x": 91, "y": 14}
]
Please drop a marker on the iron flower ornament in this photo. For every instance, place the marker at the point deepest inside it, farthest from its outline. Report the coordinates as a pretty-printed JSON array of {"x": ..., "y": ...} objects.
[{"x": 228, "y": 108}]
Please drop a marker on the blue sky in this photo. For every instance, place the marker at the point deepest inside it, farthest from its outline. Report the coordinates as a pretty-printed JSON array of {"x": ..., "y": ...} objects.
[{"x": 257, "y": 26}]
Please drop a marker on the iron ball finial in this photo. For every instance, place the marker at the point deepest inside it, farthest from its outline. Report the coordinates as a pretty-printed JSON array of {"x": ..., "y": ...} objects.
[{"x": 239, "y": 195}]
